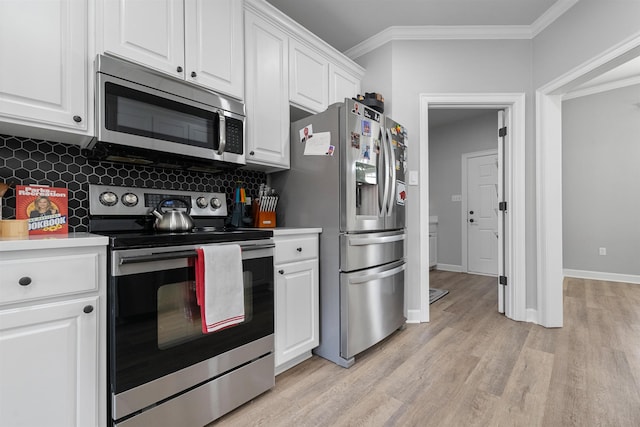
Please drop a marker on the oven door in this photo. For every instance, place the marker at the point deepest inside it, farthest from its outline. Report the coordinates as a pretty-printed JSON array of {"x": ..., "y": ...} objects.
[{"x": 155, "y": 328}]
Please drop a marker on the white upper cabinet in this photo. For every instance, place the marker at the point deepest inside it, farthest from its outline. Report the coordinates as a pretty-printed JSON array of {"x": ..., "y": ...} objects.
[
  {"x": 308, "y": 77},
  {"x": 197, "y": 40},
  {"x": 342, "y": 84},
  {"x": 267, "y": 94},
  {"x": 44, "y": 78}
]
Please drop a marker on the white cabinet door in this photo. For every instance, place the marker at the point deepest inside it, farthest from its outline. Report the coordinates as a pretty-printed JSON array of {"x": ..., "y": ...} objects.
[
  {"x": 214, "y": 43},
  {"x": 148, "y": 32},
  {"x": 342, "y": 84},
  {"x": 43, "y": 77},
  {"x": 308, "y": 77},
  {"x": 49, "y": 364},
  {"x": 266, "y": 94},
  {"x": 297, "y": 321}
]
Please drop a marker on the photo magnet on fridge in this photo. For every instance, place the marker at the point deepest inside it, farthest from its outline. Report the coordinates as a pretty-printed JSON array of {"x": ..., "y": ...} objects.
[
  {"x": 355, "y": 140},
  {"x": 306, "y": 133},
  {"x": 401, "y": 193}
]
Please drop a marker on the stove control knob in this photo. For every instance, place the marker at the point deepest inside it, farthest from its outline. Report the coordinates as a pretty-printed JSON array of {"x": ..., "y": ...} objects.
[
  {"x": 215, "y": 203},
  {"x": 108, "y": 198},
  {"x": 129, "y": 199},
  {"x": 201, "y": 202}
]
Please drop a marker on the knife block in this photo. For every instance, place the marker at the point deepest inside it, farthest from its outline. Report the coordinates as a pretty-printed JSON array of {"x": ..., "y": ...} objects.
[{"x": 263, "y": 219}]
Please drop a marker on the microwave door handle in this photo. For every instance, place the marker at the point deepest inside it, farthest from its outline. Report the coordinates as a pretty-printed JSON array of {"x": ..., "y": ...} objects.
[{"x": 222, "y": 132}]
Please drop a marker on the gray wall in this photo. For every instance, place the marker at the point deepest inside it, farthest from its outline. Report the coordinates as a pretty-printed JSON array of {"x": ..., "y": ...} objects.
[
  {"x": 447, "y": 144},
  {"x": 601, "y": 181}
]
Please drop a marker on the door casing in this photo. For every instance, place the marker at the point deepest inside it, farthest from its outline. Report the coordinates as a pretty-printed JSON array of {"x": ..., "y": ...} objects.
[{"x": 514, "y": 106}]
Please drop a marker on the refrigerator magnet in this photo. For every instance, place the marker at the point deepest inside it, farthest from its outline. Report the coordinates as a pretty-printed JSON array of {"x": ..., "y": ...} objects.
[
  {"x": 330, "y": 150},
  {"x": 366, "y": 128},
  {"x": 401, "y": 193},
  {"x": 306, "y": 133},
  {"x": 366, "y": 153},
  {"x": 355, "y": 140},
  {"x": 356, "y": 109}
]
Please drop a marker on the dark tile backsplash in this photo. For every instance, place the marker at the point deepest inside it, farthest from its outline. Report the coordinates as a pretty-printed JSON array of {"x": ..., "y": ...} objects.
[{"x": 25, "y": 161}]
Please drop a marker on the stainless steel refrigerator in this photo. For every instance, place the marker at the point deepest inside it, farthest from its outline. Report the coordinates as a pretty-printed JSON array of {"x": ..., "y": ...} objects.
[{"x": 347, "y": 172}]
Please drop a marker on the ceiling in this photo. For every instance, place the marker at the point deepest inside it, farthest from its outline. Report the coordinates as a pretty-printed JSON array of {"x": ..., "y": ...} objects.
[{"x": 346, "y": 23}]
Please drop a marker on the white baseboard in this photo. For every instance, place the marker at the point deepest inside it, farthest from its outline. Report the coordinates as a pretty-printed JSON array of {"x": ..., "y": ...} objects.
[
  {"x": 532, "y": 316},
  {"x": 449, "y": 267},
  {"x": 598, "y": 275},
  {"x": 413, "y": 316}
]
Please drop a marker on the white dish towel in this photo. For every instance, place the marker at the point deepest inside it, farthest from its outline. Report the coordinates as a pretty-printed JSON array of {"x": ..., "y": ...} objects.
[{"x": 219, "y": 286}]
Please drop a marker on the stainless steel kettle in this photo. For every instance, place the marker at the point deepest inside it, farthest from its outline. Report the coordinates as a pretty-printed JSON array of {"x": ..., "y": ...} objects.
[{"x": 172, "y": 220}]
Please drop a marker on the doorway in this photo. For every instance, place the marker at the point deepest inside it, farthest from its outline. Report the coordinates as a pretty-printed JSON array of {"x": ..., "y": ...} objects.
[{"x": 513, "y": 104}]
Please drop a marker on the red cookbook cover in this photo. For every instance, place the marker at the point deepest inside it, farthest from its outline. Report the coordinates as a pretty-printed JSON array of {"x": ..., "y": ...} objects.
[{"x": 46, "y": 208}]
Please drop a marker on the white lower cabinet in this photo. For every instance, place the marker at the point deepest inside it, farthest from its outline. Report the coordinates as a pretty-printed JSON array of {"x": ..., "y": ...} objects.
[
  {"x": 296, "y": 294},
  {"x": 52, "y": 336}
]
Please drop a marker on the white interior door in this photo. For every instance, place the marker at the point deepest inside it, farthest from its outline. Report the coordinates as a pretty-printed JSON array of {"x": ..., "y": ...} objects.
[
  {"x": 482, "y": 213},
  {"x": 502, "y": 253}
]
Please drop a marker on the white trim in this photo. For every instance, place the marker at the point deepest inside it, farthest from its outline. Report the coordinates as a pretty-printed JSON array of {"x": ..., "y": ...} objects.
[
  {"x": 604, "y": 87},
  {"x": 413, "y": 316},
  {"x": 461, "y": 32},
  {"x": 532, "y": 315},
  {"x": 549, "y": 176},
  {"x": 515, "y": 191},
  {"x": 463, "y": 224},
  {"x": 601, "y": 275},
  {"x": 449, "y": 267},
  {"x": 550, "y": 15}
]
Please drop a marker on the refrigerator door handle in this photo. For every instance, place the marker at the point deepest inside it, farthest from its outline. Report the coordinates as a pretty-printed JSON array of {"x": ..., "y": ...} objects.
[
  {"x": 385, "y": 174},
  {"x": 392, "y": 174},
  {"x": 362, "y": 241},
  {"x": 381, "y": 167},
  {"x": 376, "y": 276}
]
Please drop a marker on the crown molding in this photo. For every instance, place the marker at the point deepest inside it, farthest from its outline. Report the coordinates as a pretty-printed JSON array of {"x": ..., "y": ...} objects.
[
  {"x": 553, "y": 13},
  {"x": 461, "y": 32},
  {"x": 440, "y": 32}
]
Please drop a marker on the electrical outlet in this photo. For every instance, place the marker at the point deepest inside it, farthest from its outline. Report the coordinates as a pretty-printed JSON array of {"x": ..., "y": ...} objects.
[{"x": 603, "y": 251}]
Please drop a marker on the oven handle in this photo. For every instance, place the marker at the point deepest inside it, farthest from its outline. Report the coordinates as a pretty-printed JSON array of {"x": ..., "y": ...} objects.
[{"x": 163, "y": 256}]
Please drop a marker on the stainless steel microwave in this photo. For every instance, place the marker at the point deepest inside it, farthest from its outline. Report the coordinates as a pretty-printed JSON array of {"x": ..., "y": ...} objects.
[{"x": 145, "y": 117}]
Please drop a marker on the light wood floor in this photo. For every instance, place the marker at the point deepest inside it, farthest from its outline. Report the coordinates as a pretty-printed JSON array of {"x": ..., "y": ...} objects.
[{"x": 471, "y": 366}]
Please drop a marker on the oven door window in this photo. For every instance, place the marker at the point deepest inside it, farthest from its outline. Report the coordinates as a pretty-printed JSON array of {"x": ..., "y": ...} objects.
[
  {"x": 179, "y": 315},
  {"x": 139, "y": 113},
  {"x": 156, "y": 327}
]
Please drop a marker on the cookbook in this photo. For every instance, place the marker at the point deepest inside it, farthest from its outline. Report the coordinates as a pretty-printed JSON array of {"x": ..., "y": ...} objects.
[{"x": 45, "y": 208}]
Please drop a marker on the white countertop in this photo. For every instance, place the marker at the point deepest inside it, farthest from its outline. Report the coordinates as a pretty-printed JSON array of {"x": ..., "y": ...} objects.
[
  {"x": 71, "y": 240},
  {"x": 287, "y": 231}
]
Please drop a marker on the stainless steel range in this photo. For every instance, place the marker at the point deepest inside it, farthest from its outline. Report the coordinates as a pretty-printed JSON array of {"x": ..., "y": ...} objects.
[{"x": 163, "y": 371}]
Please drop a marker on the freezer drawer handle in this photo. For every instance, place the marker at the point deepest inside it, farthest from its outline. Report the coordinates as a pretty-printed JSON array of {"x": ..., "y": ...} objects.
[
  {"x": 376, "y": 276},
  {"x": 362, "y": 241}
]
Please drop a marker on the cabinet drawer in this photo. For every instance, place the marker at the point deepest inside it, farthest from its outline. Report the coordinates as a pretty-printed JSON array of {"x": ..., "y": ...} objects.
[
  {"x": 47, "y": 277},
  {"x": 295, "y": 248}
]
